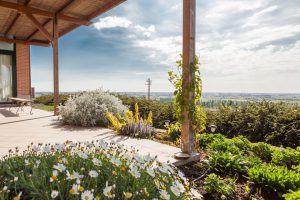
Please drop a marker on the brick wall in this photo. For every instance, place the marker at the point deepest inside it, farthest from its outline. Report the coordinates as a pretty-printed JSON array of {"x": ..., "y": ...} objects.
[{"x": 23, "y": 70}]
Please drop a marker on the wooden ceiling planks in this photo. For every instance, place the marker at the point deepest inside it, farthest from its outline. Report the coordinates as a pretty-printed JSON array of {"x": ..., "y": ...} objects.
[{"x": 31, "y": 21}]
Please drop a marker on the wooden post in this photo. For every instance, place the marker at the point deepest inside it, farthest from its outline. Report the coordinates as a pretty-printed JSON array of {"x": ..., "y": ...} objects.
[
  {"x": 189, "y": 18},
  {"x": 55, "y": 65}
]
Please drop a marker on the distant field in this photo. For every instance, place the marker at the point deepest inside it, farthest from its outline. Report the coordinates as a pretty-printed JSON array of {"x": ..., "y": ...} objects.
[{"x": 213, "y": 100}]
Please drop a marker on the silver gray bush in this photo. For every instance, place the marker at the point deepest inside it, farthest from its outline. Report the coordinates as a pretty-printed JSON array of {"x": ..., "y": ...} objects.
[{"x": 89, "y": 108}]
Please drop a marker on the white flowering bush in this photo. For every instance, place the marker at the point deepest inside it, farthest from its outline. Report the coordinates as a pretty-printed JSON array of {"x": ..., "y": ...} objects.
[
  {"x": 90, "y": 108},
  {"x": 88, "y": 171}
]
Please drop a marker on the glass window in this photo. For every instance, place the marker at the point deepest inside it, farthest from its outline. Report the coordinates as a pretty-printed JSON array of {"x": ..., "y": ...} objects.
[
  {"x": 6, "y": 46},
  {"x": 6, "y": 83}
]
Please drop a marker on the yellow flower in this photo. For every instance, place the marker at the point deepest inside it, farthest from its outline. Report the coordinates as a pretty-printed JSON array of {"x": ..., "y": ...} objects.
[
  {"x": 157, "y": 183},
  {"x": 114, "y": 173},
  {"x": 127, "y": 195},
  {"x": 146, "y": 192},
  {"x": 53, "y": 178},
  {"x": 18, "y": 197},
  {"x": 72, "y": 191},
  {"x": 81, "y": 189},
  {"x": 123, "y": 168},
  {"x": 97, "y": 198},
  {"x": 60, "y": 161}
]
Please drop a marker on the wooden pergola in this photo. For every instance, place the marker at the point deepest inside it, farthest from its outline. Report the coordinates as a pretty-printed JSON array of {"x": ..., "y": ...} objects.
[{"x": 42, "y": 22}]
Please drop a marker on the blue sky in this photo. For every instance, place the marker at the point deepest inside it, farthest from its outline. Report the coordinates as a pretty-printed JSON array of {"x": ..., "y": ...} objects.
[{"x": 243, "y": 48}]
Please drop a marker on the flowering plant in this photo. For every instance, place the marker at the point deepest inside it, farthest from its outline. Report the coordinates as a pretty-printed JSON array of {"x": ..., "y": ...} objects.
[
  {"x": 132, "y": 124},
  {"x": 88, "y": 171}
]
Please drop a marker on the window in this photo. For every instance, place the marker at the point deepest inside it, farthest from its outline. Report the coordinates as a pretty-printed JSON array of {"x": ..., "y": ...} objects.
[
  {"x": 6, "y": 46},
  {"x": 6, "y": 79}
]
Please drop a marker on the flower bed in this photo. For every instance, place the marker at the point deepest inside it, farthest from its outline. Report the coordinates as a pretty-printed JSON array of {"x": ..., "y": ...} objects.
[{"x": 94, "y": 170}]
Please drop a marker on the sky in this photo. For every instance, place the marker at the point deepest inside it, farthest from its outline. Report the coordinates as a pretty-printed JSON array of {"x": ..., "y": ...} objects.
[{"x": 243, "y": 47}]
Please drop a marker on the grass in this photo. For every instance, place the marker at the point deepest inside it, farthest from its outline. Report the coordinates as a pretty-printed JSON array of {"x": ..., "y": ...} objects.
[{"x": 43, "y": 107}]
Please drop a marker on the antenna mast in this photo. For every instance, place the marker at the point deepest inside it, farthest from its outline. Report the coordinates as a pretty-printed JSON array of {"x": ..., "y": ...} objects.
[{"x": 149, "y": 83}]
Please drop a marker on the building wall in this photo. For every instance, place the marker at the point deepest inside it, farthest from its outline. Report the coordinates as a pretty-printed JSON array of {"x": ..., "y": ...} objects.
[{"x": 23, "y": 70}]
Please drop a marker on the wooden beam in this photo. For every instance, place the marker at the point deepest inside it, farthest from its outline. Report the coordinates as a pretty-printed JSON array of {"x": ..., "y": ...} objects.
[
  {"x": 189, "y": 18},
  {"x": 33, "y": 42},
  {"x": 63, "y": 8},
  {"x": 15, "y": 19},
  {"x": 39, "y": 26},
  {"x": 55, "y": 67},
  {"x": 98, "y": 12},
  {"x": 44, "y": 13},
  {"x": 37, "y": 30}
]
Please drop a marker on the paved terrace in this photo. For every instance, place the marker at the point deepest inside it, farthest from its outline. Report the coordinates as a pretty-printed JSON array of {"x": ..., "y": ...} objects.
[{"x": 22, "y": 129}]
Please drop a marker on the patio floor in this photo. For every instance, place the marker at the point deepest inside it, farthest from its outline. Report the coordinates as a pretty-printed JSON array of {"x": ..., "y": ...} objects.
[{"x": 22, "y": 129}]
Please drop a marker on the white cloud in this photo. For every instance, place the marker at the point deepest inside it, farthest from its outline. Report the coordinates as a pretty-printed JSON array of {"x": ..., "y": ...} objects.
[{"x": 112, "y": 22}]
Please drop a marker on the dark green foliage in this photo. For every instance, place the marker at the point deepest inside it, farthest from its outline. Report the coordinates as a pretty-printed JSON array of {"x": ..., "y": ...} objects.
[
  {"x": 174, "y": 130},
  {"x": 219, "y": 188},
  {"x": 275, "y": 177},
  {"x": 274, "y": 123},
  {"x": 162, "y": 112},
  {"x": 48, "y": 99}
]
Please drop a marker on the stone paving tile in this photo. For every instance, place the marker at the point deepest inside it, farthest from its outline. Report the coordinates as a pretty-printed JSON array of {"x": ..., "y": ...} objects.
[{"x": 20, "y": 130}]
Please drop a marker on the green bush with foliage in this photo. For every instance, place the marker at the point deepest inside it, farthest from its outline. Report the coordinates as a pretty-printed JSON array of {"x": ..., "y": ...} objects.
[
  {"x": 174, "y": 130},
  {"x": 205, "y": 139},
  {"x": 286, "y": 157},
  {"x": 274, "y": 123},
  {"x": 89, "y": 108},
  {"x": 278, "y": 178},
  {"x": 89, "y": 171},
  {"x": 48, "y": 99},
  {"x": 163, "y": 112},
  {"x": 262, "y": 150},
  {"x": 292, "y": 195},
  {"x": 267, "y": 166},
  {"x": 219, "y": 188}
]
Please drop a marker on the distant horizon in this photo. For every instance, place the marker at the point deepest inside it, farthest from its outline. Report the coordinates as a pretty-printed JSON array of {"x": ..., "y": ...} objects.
[{"x": 297, "y": 93}]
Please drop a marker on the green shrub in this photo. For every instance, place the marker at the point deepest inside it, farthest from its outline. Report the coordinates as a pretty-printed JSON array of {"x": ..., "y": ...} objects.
[
  {"x": 95, "y": 170},
  {"x": 292, "y": 195},
  {"x": 262, "y": 150},
  {"x": 90, "y": 108},
  {"x": 174, "y": 131},
  {"x": 278, "y": 178},
  {"x": 205, "y": 139},
  {"x": 226, "y": 162},
  {"x": 48, "y": 99},
  {"x": 274, "y": 123},
  {"x": 286, "y": 157},
  {"x": 163, "y": 112},
  {"x": 241, "y": 142},
  {"x": 219, "y": 188}
]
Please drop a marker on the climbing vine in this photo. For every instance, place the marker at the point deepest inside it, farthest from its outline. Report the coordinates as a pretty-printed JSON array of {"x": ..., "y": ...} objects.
[{"x": 196, "y": 113}]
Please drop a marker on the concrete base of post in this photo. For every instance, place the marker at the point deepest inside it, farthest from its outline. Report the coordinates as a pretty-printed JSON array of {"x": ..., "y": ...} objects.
[{"x": 183, "y": 159}]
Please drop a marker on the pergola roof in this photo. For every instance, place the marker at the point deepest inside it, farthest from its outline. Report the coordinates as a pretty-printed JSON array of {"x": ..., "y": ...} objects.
[{"x": 31, "y": 21}]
